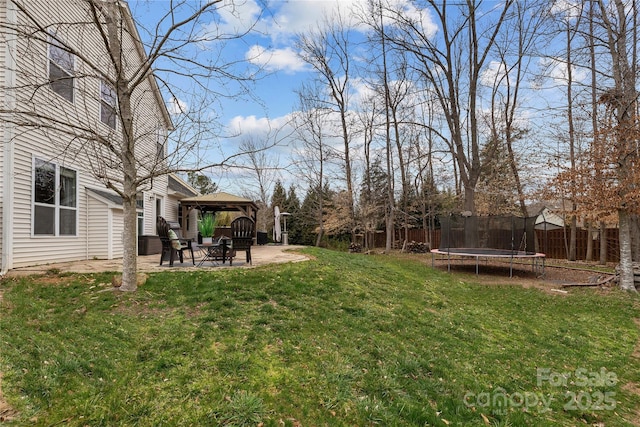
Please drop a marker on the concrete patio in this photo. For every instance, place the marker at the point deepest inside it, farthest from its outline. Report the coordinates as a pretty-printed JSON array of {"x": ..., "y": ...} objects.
[{"x": 261, "y": 255}]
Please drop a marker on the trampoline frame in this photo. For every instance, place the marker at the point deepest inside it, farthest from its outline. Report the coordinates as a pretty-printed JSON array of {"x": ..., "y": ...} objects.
[{"x": 537, "y": 259}]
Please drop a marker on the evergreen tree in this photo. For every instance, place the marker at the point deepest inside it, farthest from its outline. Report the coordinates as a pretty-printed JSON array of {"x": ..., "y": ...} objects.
[
  {"x": 201, "y": 182},
  {"x": 293, "y": 224},
  {"x": 279, "y": 199},
  {"x": 373, "y": 197},
  {"x": 311, "y": 215}
]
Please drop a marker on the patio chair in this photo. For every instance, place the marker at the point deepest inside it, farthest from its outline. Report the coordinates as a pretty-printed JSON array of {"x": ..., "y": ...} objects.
[
  {"x": 172, "y": 243},
  {"x": 242, "y": 231}
]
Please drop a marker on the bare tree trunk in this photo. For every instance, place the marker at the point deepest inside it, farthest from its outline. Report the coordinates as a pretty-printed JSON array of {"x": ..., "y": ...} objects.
[
  {"x": 127, "y": 151},
  {"x": 572, "y": 144},
  {"x": 320, "y": 231},
  {"x": 589, "y": 255},
  {"x": 594, "y": 125},
  {"x": 626, "y": 260},
  {"x": 603, "y": 243},
  {"x": 625, "y": 105},
  {"x": 389, "y": 211}
]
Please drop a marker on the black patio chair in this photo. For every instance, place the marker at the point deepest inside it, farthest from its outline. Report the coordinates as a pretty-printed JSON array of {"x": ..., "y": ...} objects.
[
  {"x": 242, "y": 232},
  {"x": 172, "y": 242}
]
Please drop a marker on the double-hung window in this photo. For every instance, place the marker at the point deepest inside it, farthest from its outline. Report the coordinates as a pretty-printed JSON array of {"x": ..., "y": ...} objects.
[
  {"x": 61, "y": 70},
  {"x": 55, "y": 199},
  {"x": 108, "y": 104}
]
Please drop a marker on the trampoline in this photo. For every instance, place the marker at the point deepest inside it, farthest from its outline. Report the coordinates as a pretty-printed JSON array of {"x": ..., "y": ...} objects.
[{"x": 502, "y": 237}]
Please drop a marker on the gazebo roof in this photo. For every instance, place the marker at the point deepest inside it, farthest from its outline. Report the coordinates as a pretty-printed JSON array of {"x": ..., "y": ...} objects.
[
  {"x": 215, "y": 198},
  {"x": 221, "y": 202}
]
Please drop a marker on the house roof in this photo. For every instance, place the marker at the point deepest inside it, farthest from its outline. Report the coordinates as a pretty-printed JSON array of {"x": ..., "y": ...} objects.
[
  {"x": 180, "y": 187},
  {"x": 107, "y": 196}
]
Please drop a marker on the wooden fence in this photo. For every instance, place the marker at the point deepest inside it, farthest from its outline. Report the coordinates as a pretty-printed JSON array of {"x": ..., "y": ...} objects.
[{"x": 553, "y": 243}]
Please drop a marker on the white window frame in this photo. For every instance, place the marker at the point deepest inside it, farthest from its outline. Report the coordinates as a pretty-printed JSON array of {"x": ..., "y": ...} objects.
[
  {"x": 106, "y": 103},
  {"x": 140, "y": 213},
  {"x": 56, "y": 205},
  {"x": 68, "y": 69}
]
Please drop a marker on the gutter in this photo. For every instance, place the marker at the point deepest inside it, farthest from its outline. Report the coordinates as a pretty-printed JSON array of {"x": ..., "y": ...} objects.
[{"x": 8, "y": 152}]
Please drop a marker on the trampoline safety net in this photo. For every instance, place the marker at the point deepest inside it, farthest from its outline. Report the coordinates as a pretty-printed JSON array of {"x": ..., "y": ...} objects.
[{"x": 508, "y": 233}]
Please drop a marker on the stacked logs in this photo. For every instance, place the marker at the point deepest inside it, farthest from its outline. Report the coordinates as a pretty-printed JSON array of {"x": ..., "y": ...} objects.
[{"x": 417, "y": 247}]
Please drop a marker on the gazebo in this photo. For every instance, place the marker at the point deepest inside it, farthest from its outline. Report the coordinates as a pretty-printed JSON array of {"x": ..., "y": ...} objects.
[{"x": 217, "y": 202}]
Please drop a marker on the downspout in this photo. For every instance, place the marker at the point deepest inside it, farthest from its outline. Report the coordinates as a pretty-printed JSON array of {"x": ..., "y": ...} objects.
[
  {"x": 7, "y": 154},
  {"x": 86, "y": 223}
]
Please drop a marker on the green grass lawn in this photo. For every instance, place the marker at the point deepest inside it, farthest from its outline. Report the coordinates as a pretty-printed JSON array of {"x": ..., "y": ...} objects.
[{"x": 343, "y": 339}]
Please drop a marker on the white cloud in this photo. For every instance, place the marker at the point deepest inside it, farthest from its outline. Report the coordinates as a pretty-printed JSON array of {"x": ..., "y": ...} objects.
[
  {"x": 557, "y": 70},
  {"x": 293, "y": 17},
  {"x": 361, "y": 93},
  {"x": 569, "y": 9},
  {"x": 299, "y": 16},
  {"x": 493, "y": 73},
  {"x": 286, "y": 59},
  {"x": 177, "y": 106},
  {"x": 249, "y": 125},
  {"x": 238, "y": 16},
  {"x": 259, "y": 127}
]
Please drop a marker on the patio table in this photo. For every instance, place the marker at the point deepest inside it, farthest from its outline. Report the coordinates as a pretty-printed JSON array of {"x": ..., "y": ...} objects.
[{"x": 213, "y": 252}]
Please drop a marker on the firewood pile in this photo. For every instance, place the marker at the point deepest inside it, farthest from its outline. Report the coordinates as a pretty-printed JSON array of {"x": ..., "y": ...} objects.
[
  {"x": 417, "y": 247},
  {"x": 355, "y": 248}
]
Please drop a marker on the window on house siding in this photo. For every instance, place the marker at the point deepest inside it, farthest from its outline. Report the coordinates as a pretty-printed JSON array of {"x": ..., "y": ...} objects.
[
  {"x": 55, "y": 199},
  {"x": 68, "y": 203},
  {"x": 140, "y": 223},
  {"x": 108, "y": 104},
  {"x": 61, "y": 71},
  {"x": 140, "y": 208},
  {"x": 182, "y": 219}
]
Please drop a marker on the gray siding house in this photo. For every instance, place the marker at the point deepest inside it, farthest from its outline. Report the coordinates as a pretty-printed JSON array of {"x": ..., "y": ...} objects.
[{"x": 53, "y": 208}]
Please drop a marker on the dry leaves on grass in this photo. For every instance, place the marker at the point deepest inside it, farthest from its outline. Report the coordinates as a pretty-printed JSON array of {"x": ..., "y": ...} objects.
[{"x": 7, "y": 413}]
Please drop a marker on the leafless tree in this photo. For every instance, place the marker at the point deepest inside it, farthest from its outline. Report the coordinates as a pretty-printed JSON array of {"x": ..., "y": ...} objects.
[
  {"x": 314, "y": 152},
  {"x": 368, "y": 207},
  {"x": 451, "y": 64},
  {"x": 514, "y": 53},
  {"x": 261, "y": 170},
  {"x": 327, "y": 50}
]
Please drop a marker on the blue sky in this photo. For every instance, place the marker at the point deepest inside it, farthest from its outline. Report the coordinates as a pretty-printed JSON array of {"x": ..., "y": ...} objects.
[{"x": 271, "y": 46}]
